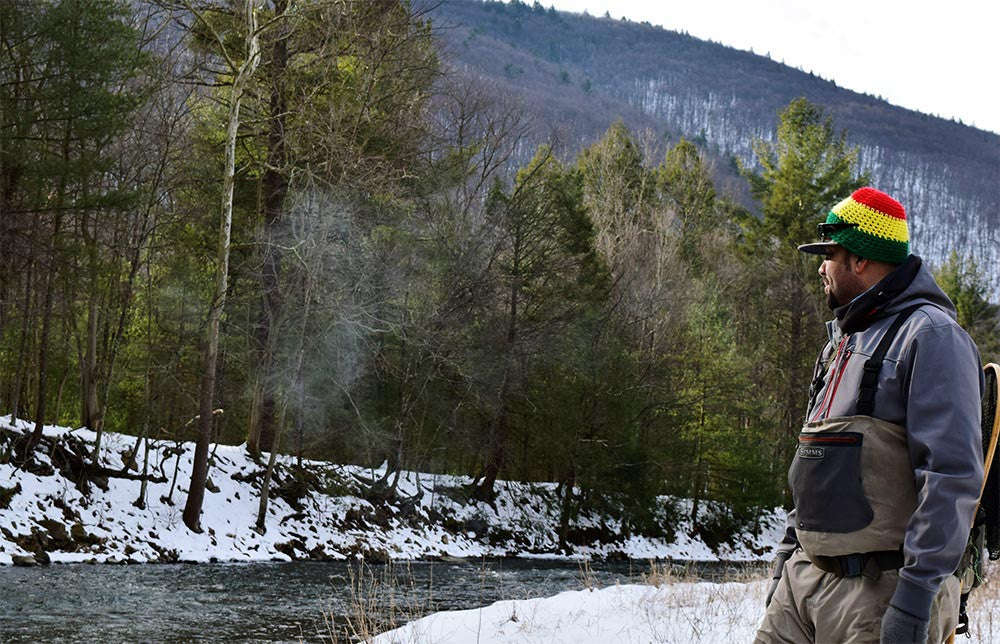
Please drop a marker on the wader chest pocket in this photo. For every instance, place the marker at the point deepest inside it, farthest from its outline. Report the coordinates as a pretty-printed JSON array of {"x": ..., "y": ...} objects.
[{"x": 825, "y": 478}]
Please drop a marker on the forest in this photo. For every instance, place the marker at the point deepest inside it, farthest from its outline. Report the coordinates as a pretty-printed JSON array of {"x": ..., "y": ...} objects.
[{"x": 292, "y": 225}]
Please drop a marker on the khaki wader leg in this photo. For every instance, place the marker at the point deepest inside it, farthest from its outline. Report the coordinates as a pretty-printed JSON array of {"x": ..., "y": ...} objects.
[{"x": 812, "y": 606}]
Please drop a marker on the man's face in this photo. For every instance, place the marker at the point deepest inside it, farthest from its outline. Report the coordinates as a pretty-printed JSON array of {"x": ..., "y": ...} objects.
[{"x": 840, "y": 283}]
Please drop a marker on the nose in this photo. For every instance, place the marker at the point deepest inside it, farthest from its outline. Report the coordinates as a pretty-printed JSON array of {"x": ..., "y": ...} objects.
[{"x": 822, "y": 268}]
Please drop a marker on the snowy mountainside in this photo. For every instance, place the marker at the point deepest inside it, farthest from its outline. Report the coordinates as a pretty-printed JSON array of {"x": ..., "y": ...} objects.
[
  {"x": 54, "y": 511},
  {"x": 576, "y": 74}
]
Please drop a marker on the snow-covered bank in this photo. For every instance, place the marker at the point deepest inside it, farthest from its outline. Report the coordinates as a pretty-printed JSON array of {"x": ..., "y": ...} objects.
[
  {"x": 674, "y": 613},
  {"x": 54, "y": 512},
  {"x": 678, "y": 612}
]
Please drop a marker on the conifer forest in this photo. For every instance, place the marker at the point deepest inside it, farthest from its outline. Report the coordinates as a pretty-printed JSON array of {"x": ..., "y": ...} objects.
[{"x": 294, "y": 225}]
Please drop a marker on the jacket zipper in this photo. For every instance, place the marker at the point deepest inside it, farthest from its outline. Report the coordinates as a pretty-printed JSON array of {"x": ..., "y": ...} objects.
[
  {"x": 840, "y": 364},
  {"x": 822, "y": 439}
]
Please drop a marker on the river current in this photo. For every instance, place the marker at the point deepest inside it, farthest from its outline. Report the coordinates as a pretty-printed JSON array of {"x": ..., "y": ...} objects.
[{"x": 272, "y": 602}]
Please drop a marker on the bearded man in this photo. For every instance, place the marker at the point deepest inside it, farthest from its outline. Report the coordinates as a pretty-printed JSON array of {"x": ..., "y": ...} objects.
[{"x": 889, "y": 465}]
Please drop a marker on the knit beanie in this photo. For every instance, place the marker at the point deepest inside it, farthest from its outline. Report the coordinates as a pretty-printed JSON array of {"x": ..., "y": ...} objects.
[{"x": 881, "y": 232}]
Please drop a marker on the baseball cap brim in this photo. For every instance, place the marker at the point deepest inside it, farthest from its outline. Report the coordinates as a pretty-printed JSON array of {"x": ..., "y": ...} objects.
[{"x": 818, "y": 248}]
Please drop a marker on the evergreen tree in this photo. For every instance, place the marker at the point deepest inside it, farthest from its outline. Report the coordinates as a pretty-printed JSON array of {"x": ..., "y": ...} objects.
[
  {"x": 806, "y": 170},
  {"x": 75, "y": 81},
  {"x": 966, "y": 285},
  {"x": 542, "y": 257}
]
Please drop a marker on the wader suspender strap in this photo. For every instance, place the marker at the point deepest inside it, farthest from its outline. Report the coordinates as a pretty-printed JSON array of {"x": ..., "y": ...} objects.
[{"x": 869, "y": 380}]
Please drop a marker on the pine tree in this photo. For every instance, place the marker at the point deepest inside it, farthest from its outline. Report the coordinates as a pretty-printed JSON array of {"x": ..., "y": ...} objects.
[
  {"x": 75, "y": 82},
  {"x": 805, "y": 171},
  {"x": 966, "y": 285}
]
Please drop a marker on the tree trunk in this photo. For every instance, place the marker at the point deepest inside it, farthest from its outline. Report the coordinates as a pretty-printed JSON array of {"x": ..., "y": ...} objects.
[
  {"x": 498, "y": 429},
  {"x": 275, "y": 189},
  {"x": 43, "y": 349},
  {"x": 90, "y": 414},
  {"x": 566, "y": 512},
  {"x": 140, "y": 502},
  {"x": 265, "y": 486},
  {"x": 199, "y": 470},
  {"x": 22, "y": 352}
]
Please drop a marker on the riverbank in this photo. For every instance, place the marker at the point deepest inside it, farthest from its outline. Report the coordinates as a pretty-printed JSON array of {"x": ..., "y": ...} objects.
[
  {"x": 671, "y": 612},
  {"x": 58, "y": 511}
]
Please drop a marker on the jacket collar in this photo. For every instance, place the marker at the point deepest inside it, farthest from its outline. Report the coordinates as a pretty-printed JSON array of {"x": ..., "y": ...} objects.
[{"x": 860, "y": 312}]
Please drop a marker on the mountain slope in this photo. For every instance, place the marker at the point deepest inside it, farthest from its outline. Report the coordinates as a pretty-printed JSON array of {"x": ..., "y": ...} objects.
[{"x": 575, "y": 74}]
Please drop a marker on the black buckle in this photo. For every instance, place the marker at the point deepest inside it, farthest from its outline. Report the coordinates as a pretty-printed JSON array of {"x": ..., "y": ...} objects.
[{"x": 852, "y": 565}]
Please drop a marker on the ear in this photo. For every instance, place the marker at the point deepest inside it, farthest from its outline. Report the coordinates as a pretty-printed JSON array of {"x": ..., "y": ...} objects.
[{"x": 859, "y": 264}]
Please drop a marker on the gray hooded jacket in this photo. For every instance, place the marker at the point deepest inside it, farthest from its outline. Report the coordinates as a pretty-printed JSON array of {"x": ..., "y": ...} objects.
[{"x": 931, "y": 384}]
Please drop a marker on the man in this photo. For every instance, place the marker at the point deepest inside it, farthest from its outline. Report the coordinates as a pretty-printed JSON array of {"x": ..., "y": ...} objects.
[{"x": 889, "y": 465}]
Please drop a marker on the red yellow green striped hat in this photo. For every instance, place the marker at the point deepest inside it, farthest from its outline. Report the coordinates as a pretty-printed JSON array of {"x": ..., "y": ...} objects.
[{"x": 871, "y": 224}]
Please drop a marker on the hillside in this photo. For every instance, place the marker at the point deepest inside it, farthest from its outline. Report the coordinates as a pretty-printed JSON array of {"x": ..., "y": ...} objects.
[{"x": 575, "y": 74}]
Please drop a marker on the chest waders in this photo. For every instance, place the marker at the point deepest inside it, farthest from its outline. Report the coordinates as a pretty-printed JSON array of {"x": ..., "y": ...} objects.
[{"x": 852, "y": 483}]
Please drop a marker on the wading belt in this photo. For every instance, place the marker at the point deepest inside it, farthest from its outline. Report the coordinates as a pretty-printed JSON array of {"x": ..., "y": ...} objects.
[
  {"x": 869, "y": 564},
  {"x": 869, "y": 380}
]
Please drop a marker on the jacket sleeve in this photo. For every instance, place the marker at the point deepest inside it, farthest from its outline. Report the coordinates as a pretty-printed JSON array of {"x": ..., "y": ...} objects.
[{"x": 945, "y": 444}]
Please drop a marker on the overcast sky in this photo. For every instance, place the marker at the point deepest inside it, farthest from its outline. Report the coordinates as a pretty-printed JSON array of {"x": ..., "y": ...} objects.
[{"x": 939, "y": 57}]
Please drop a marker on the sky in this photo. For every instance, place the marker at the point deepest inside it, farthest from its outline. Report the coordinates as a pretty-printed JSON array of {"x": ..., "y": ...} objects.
[{"x": 937, "y": 57}]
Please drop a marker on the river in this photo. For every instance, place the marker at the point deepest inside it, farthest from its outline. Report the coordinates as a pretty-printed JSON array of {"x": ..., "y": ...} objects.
[{"x": 270, "y": 602}]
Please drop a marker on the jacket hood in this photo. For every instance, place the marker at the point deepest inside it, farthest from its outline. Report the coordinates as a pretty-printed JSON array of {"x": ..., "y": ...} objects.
[{"x": 909, "y": 284}]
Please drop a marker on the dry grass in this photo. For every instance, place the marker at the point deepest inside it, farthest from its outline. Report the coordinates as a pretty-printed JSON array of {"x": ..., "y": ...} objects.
[
  {"x": 587, "y": 579},
  {"x": 667, "y": 572},
  {"x": 378, "y": 602}
]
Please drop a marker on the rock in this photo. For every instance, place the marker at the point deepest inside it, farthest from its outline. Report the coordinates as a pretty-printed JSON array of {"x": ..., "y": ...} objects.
[
  {"x": 36, "y": 543},
  {"x": 376, "y": 555},
  {"x": 288, "y": 548},
  {"x": 23, "y": 561},
  {"x": 7, "y": 494},
  {"x": 318, "y": 554},
  {"x": 80, "y": 535},
  {"x": 59, "y": 539},
  {"x": 128, "y": 460}
]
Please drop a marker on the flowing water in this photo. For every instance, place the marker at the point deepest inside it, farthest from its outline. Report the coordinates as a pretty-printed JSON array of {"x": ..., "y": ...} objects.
[{"x": 270, "y": 602}]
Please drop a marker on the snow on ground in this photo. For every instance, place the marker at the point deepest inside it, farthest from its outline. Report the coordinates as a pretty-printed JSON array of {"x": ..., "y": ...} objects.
[
  {"x": 679, "y": 612},
  {"x": 632, "y": 614},
  {"x": 336, "y": 516}
]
